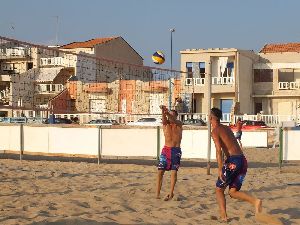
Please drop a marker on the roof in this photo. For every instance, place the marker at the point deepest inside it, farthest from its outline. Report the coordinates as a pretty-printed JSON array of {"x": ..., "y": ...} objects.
[
  {"x": 283, "y": 47},
  {"x": 88, "y": 44}
]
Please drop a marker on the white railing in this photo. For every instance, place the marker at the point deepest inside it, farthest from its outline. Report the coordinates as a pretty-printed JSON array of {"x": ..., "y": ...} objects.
[
  {"x": 222, "y": 80},
  {"x": 283, "y": 85},
  {"x": 49, "y": 88},
  {"x": 54, "y": 61},
  {"x": 188, "y": 116},
  {"x": 288, "y": 85},
  {"x": 270, "y": 120},
  {"x": 195, "y": 81},
  {"x": 294, "y": 85},
  {"x": 17, "y": 51},
  {"x": 226, "y": 118}
]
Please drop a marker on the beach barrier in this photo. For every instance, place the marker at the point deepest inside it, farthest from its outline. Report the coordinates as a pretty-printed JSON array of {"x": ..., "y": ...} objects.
[
  {"x": 289, "y": 149},
  {"x": 110, "y": 141}
]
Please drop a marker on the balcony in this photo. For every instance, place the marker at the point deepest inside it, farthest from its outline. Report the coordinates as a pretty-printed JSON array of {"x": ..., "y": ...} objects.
[
  {"x": 195, "y": 81},
  {"x": 289, "y": 85},
  {"x": 215, "y": 81},
  {"x": 49, "y": 88},
  {"x": 54, "y": 61},
  {"x": 222, "y": 80},
  {"x": 17, "y": 52}
]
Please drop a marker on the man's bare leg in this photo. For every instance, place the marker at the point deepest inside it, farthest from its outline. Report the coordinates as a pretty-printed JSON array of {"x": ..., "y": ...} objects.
[
  {"x": 257, "y": 203},
  {"x": 240, "y": 143},
  {"x": 160, "y": 174},
  {"x": 173, "y": 182},
  {"x": 221, "y": 202}
]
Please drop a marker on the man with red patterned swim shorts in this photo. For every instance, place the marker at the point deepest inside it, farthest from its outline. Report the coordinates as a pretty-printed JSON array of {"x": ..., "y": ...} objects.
[
  {"x": 171, "y": 153},
  {"x": 233, "y": 171}
]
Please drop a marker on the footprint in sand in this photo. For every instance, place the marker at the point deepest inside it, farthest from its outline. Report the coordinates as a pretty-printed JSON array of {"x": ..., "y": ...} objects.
[
  {"x": 179, "y": 198},
  {"x": 268, "y": 219}
]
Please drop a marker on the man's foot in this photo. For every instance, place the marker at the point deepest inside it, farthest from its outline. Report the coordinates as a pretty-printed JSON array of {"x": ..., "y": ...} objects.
[
  {"x": 168, "y": 197},
  {"x": 157, "y": 197},
  {"x": 258, "y": 206},
  {"x": 223, "y": 217}
]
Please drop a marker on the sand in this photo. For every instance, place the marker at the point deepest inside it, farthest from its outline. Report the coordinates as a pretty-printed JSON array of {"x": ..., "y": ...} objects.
[{"x": 51, "y": 192}]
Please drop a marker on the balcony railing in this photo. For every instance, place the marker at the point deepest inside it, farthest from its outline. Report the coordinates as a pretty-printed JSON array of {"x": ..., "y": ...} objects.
[
  {"x": 222, "y": 80},
  {"x": 215, "y": 81},
  {"x": 54, "y": 61},
  {"x": 195, "y": 81},
  {"x": 49, "y": 88},
  {"x": 16, "y": 52},
  {"x": 289, "y": 85}
]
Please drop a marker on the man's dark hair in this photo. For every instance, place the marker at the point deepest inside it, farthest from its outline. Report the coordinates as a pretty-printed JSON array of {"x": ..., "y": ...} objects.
[
  {"x": 173, "y": 110},
  {"x": 216, "y": 112}
]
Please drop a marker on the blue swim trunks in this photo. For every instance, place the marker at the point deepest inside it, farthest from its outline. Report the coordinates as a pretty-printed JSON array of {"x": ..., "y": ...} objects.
[
  {"x": 238, "y": 135},
  {"x": 169, "y": 158},
  {"x": 234, "y": 171}
]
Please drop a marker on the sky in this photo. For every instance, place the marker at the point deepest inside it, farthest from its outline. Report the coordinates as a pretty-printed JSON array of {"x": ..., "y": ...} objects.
[{"x": 145, "y": 25}]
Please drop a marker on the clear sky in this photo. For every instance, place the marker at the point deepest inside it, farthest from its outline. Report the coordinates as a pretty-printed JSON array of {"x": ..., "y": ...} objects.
[{"x": 145, "y": 25}]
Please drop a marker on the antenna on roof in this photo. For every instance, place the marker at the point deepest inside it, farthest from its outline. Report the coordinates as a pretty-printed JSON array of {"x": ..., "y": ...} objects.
[{"x": 56, "y": 31}]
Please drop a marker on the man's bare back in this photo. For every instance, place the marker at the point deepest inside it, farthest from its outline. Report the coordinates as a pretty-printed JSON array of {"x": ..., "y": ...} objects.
[{"x": 227, "y": 140}]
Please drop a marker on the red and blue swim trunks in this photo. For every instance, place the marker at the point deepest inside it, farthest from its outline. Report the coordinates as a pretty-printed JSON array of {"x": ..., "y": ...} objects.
[
  {"x": 234, "y": 171},
  {"x": 169, "y": 158}
]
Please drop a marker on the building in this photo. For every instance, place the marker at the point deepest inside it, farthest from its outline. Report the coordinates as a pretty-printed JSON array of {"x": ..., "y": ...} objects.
[
  {"x": 231, "y": 79},
  {"x": 276, "y": 80},
  {"x": 244, "y": 82}
]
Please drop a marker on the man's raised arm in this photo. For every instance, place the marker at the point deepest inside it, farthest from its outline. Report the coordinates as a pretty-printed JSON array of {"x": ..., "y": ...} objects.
[{"x": 164, "y": 112}]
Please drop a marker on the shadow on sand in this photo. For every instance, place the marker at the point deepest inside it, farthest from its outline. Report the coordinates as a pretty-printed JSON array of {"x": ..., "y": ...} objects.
[{"x": 124, "y": 160}]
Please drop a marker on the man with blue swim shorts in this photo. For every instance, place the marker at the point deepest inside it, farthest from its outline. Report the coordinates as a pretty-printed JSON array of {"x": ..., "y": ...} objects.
[
  {"x": 233, "y": 170},
  {"x": 171, "y": 153}
]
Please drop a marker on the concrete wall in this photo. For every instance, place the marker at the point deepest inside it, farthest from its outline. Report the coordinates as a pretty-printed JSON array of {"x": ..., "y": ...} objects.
[
  {"x": 112, "y": 142},
  {"x": 280, "y": 57},
  {"x": 118, "y": 49}
]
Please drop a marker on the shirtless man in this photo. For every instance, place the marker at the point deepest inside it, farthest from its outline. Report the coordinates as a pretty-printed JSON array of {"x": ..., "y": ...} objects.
[
  {"x": 234, "y": 169},
  {"x": 171, "y": 152}
]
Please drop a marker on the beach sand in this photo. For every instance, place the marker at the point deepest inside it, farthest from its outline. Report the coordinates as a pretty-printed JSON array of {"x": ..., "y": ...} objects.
[{"x": 51, "y": 192}]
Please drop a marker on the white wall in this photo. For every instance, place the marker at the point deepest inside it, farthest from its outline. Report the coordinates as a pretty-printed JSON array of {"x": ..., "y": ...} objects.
[
  {"x": 114, "y": 142},
  {"x": 10, "y": 138},
  {"x": 291, "y": 144},
  {"x": 129, "y": 142},
  {"x": 193, "y": 144}
]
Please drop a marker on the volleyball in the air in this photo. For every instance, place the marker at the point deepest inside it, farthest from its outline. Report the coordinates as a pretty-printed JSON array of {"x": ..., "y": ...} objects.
[{"x": 158, "y": 57}]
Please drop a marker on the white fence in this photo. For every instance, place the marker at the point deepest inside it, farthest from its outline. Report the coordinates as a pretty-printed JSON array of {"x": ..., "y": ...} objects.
[{"x": 120, "y": 141}]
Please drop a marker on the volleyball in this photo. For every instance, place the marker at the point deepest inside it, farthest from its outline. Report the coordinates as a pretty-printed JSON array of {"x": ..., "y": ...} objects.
[{"x": 158, "y": 57}]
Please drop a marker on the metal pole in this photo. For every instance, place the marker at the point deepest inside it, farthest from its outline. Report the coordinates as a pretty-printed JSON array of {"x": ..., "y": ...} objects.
[
  {"x": 208, "y": 74},
  {"x": 21, "y": 140},
  {"x": 170, "y": 82},
  {"x": 280, "y": 146},
  {"x": 99, "y": 143},
  {"x": 56, "y": 35},
  {"x": 157, "y": 143}
]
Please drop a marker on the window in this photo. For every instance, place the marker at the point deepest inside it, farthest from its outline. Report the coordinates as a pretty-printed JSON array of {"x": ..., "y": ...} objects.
[
  {"x": 228, "y": 70},
  {"x": 202, "y": 69},
  {"x": 263, "y": 75},
  {"x": 189, "y": 69},
  {"x": 258, "y": 107},
  {"x": 286, "y": 75},
  {"x": 29, "y": 65}
]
